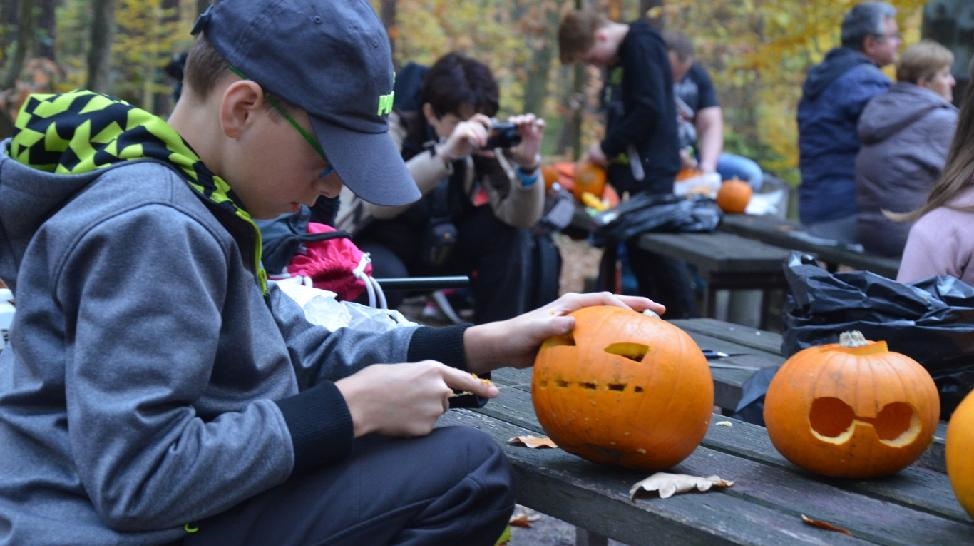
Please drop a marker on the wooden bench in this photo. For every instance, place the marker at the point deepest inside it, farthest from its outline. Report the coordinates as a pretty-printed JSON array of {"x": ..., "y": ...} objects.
[
  {"x": 764, "y": 506},
  {"x": 789, "y": 234}
]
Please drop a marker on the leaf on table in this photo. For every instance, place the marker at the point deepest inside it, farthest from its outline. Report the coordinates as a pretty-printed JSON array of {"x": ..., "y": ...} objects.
[
  {"x": 824, "y": 525},
  {"x": 523, "y": 518},
  {"x": 723, "y": 424},
  {"x": 668, "y": 484},
  {"x": 534, "y": 442}
]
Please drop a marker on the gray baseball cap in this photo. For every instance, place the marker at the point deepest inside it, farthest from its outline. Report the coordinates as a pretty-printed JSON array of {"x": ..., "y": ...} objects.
[{"x": 332, "y": 59}]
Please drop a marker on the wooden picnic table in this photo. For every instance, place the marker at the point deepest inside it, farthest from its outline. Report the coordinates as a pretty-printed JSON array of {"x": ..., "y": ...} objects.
[
  {"x": 789, "y": 234},
  {"x": 765, "y": 504},
  {"x": 726, "y": 262}
]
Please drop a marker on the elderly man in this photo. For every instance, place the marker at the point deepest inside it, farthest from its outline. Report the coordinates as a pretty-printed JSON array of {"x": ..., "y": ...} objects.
[{"x": 833, "y": 96}]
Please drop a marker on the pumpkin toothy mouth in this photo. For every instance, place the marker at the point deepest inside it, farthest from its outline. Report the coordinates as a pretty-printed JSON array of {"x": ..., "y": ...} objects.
[{"x": 833, "y": 421}]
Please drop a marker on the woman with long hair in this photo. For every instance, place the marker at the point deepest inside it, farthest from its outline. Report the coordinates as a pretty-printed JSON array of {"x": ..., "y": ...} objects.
[{"x": 941, "y": 242}]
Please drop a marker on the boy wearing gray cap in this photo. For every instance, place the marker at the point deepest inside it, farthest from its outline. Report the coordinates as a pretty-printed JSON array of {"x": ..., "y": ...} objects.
[{"x": 155, "y": 389}]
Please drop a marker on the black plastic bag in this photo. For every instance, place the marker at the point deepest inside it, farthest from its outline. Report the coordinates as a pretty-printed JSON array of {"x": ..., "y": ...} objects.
[
  {"x": 659, "y": 213},
  {"x": 932, "y": 321}
]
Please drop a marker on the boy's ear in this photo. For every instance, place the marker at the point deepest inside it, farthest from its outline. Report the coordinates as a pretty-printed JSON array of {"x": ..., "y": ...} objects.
[{"x": 241, "y": 100}]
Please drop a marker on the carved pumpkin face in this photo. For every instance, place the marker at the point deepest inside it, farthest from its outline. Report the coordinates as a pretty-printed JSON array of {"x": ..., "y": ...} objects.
[
  {"x": 623, "y": 388},
  {"x": 959, "y": 447},
  {"x": 851, "y": 409}
]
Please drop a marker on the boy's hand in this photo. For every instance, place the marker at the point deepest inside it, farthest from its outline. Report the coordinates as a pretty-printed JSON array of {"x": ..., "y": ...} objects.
[
  {"x": 405, "y": 399},
  {"x": 515, "y": 342}
]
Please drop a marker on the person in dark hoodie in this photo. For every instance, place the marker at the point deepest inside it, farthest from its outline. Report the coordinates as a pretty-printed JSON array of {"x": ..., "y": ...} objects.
[
  {"x": 640, "y": 148},
  {"x": 833, "y": 96},
  {"x": 156, "y": 389},
  {"x": 905, "y": 136}
]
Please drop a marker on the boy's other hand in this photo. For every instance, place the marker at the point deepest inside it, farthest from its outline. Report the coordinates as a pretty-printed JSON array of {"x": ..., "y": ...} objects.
[{"x": 515, "y": 342}]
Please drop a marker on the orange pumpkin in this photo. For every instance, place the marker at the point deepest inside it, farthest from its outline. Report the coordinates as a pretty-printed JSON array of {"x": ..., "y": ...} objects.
[
  {"x": 733, "y": 196},
  {"x": 623, "y": 388},
  {"x": 852, "y": 409},
  {"x": 550, "y": 175},
  {"x": 590, "y": 178},
  {"x": 687, "y": 173},
  {"x": 959, "y": 447}
]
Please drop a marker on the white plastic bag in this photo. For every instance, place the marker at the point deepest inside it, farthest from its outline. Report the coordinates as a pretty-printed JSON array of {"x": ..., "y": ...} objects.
[
  {"x": 703, "y": 184},
  {"x": 322, "y": 308}
]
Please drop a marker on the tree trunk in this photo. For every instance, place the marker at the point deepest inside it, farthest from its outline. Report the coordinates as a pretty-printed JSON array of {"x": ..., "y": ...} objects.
[
  {"x": 536, "y": 86},
  {"x": 47, "y": 24},
  {"x": 23, "y": 43},
  {"x": 388, "y": 15},
  {"x": 8, "y": 23},
  {"x": 100, "y": 52}
]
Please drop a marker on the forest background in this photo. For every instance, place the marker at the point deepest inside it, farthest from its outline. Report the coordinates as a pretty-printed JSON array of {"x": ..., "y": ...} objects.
[{"x": 757, "y": 52}]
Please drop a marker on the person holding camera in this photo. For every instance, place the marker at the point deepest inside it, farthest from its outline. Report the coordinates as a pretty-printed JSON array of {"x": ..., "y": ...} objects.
[{"x": 480, "y": 181}]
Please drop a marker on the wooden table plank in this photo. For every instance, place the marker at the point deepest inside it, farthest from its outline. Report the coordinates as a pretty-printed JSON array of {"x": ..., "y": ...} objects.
[
  {"x": 763, "y": 340},
  {"x": 791, "y": 235},
  {"x": 717, "y": 251}
]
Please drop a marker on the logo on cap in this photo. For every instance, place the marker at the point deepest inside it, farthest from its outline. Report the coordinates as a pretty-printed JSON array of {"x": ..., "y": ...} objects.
[{"x": 385, "y": 103}]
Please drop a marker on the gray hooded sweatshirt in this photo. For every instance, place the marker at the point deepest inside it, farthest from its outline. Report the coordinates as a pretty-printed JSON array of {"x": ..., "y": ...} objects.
[
  {"x": 152, "y": 378},
  {"x": 905, "y": 136}
]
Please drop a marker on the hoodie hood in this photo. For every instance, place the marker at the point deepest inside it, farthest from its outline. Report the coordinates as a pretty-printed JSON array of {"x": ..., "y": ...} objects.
[
  {"x": 63, "y": 142},
  {"x": 891, "y": 112},
  {"x": 836, "y": 63}
]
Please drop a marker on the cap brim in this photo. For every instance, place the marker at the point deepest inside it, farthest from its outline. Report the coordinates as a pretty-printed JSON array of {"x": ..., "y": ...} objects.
[{"x": 368, "y": 163}]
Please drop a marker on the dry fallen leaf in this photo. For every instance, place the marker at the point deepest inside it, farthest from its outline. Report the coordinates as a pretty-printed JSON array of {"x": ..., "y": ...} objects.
[
  {"x": 534, "y": 442},
  {"x": 824, "y": 525},
  {"x": 667, "y": 484},
  {"x": 522, "y": 517},
  {"x": 723, "y": 424}
]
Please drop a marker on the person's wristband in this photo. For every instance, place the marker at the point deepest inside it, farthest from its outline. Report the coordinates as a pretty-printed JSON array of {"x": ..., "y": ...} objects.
[{"x": 527, "y": 177}]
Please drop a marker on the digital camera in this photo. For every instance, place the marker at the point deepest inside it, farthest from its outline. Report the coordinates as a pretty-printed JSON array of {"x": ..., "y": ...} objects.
[{"x": 502, "y": 134}]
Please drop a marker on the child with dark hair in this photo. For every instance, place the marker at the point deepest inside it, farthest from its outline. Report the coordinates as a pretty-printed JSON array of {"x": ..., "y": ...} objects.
[
  {"x": 156, "y": 389},
  {"x": 479, "y": 198}
]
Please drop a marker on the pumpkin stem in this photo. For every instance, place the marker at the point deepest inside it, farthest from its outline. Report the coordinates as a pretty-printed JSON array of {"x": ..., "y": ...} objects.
[{"x": 853, "y": 338}]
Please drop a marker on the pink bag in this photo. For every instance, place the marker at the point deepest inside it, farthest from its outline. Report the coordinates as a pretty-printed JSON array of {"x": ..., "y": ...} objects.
[{"x": 335, "y": 264}]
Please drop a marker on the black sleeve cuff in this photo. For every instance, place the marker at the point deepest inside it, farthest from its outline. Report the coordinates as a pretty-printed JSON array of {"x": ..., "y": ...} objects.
[
  {"x": 443, "y": 344},
  {"x": 320, "y": 426}
]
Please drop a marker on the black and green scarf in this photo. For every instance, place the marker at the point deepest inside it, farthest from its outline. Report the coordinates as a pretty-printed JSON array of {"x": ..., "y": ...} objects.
[{"x": 82, "y": 131}]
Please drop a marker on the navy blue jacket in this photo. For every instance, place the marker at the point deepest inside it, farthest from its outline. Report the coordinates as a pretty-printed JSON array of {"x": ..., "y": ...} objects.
[{"x": 833, "y": 97}]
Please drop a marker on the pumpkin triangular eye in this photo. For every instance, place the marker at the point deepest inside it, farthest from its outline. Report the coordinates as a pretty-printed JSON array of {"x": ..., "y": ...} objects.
[{"x": 632, "y": 351}]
